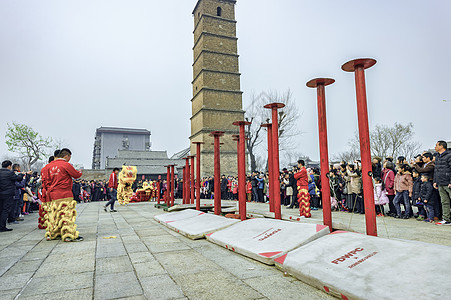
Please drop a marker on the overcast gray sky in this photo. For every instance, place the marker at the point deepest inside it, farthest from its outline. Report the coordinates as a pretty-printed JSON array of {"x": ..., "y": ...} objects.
[{"x": 69, "y": 67}]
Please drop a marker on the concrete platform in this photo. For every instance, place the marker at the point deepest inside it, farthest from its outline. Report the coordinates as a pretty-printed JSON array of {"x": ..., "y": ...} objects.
[
  {"x": 177, "y": 216},
  {"x": 266, "y": 239},
  {"x": 356, "y": 266},
  {"x": 199, "y": 226}
]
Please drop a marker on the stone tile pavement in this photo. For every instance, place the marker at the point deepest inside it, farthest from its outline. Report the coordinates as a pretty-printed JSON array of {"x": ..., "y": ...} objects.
[{"x": 144, "y": 261}]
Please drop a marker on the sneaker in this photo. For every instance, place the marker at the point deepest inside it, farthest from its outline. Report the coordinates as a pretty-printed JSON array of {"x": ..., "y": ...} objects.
[
  {"x": 25, "y": 213},
  {"x": 104, "y": 208},
  {"x": 19, "y": 219},
  {"x": 420, "y": 218},
  {"x": 79, "y": 239},
  {"x": 443, "y": 222},
  {"x": 113, "y": 210},
  {"x": 6, "y": 229}
]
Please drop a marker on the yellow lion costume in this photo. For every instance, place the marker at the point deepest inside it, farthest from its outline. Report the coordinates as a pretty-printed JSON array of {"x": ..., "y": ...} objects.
[
  {"x": 125, "y": 180},
  {"x": 149, "y": 190}
]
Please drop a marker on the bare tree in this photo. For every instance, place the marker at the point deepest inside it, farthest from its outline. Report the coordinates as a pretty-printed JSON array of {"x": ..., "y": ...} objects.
[
  {"x": 346, "y": 156},
  {"x": 254, "y": 130},
  {"x": 391, "y": 141},
  {"x": 257, "y": 114},
  {"x": 291, "y": 157}
]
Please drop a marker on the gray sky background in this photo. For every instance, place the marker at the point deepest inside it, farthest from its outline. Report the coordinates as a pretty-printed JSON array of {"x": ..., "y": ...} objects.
[{"x": 69, "y": 67}]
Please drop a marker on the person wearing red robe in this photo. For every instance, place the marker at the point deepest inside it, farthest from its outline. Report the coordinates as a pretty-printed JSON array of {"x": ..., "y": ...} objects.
[
  {"x": 61, "y": 213},
  {"x": 42, "y": 196},
  {"x": 303, "y": 194}
]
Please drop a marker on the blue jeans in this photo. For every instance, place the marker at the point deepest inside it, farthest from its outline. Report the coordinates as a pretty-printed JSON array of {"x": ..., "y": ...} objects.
[
  {"x": 402, "y": 196},
  {"x": 430, "y": 211},
  {"x": 113, "y": 199}
]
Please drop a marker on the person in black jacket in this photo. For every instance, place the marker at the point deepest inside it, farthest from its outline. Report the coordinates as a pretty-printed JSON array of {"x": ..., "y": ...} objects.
[
  {"x": 416, "y": 195},
  {"x": 15, "y": 213},
  {"x": 426, "y": 197},
  {"x": 442, "y": 179},
  {"x": 224, "y": 183},
  {"x": 8, "y": 181}
]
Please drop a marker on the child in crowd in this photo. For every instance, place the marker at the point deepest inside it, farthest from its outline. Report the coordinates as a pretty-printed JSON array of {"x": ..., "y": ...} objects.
[
  {"x": 416, "y": 195},
  {"x": 403, "y": 190},
  {"x": 426, "y": 197},
  {"x": 313, "y": 191},
  {"x": 380, "y": 196}
]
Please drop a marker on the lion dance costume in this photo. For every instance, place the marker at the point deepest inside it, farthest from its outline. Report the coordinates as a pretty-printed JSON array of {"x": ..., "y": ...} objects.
[
  {"x": 149, "y": 190},
  {"x": 60, "y": 204},
  {"x": 303, "y": 194},
  {"x": 124, "y": 189}
]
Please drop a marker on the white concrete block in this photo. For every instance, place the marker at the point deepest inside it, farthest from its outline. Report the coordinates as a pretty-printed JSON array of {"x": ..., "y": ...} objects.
[
  {"x": 266, "y": 239},
  {"x": 199, "y": 226},
  {"x": 356, "y": 266},
  {"x": 176, "y": 216}
]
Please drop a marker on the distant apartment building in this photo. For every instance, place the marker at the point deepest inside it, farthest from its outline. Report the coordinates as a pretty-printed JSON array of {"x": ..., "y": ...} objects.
[{"x": 109, "y": 140}]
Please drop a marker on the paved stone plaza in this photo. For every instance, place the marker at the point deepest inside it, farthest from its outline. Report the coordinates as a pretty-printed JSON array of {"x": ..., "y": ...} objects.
[{"x": 146, "y": 260}]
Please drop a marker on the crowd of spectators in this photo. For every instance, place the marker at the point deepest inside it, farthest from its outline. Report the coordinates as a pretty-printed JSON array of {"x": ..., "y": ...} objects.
[{"x": 420, "y": 188}]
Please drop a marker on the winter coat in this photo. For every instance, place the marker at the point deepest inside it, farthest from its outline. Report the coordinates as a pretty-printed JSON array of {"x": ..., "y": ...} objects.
[
  {"x": 442, "y": 172},
  {"x": 346, "y": 184},
  {"x": 404, "y": 182},
  {"x": 355, "y": 186},
  {"x": 249, "y": 188},
  {"x": 333, "y": 182},
  {"x": 224, "y": 184},
  {"x": 380, "y": 197},
  {"x": 261, "y": 183},
  {"x": 20, "y": 185},
  {"x": 8, "y": 182},
  {"x": 416, "y": 190},
  {"x": 426, "y": 193},
  {"x": 427, "y": 169},
  {"x": 289, "y": 188},
  {"x": 388, "y": 177},
  {"x": 312, "y": 188}
]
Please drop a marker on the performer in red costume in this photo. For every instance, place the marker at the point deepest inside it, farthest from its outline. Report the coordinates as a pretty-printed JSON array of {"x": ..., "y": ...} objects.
[
  {"x": 60, "y": 202},
  {"x": 42, "y": 196},
  {"x": 303, "y": 194}
]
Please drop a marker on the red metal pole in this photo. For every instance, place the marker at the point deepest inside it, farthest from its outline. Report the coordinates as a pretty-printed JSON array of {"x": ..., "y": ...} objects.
[
  {"x": 172, "y": 185},
  {"x": 192, "y": 179},
  {"x": 198, "y": 174},
  {"x": 184, "y": 186},
  {"x": 319, "y": 84},
  {"x": 275, "y": 153},
  {"x": 270, "y": 166},
  {"x": 188, "y": 181},
  {"x": 166, "y": 198},
  {"x": 217, "y": 171},
  {"x": 358, "y": 66},
  {"x": 242, "y": 169},
  {"x": 158, "y": 188}
]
